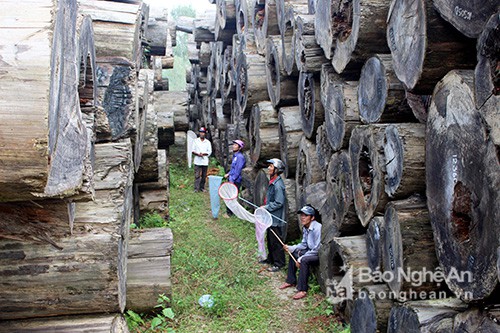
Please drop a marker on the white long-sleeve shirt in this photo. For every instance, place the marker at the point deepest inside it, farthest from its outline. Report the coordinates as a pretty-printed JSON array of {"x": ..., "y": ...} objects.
[{"x": 204, "y": 147}]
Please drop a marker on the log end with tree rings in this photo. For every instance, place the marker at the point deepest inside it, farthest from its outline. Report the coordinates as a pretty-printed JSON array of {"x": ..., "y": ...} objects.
[
  {"x": 468, "y": 17},
  {"x": 462, "y": 187},
  {"x": 287, "y": 40},
  {"x": 290, "y": 134},
  {"x": 273, "y": 72},
  {"x": 367, "y": 177},
  {"x": 345, "y": 33},
  {"x": 258, "y": 18},
  {"x": 372, "y": 91},
  {"x": 486, "y": 77},
  {"x": 311, "y": 110},
  {"x": 374, "y": 243},
  {"x": 323, "y": 23},
  {"x": 308, "y": 170},
  {"x": 394, "y": 157},
  {"x": 264, "y": 134},
  {"x": 241, "y": 17}
]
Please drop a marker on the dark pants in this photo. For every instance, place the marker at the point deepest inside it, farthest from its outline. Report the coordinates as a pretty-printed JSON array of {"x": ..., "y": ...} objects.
[
  {"x": 200, "y": 174},
  {"x": 305, "y": 268},
  {"x": 228, "y": 211},
  {"x": 276, "y": 254}
]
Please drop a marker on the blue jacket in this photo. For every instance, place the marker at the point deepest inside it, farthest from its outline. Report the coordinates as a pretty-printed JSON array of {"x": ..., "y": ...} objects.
[
  {"x": 275, "y": 201},
  {"x": 237, "y": 165}
]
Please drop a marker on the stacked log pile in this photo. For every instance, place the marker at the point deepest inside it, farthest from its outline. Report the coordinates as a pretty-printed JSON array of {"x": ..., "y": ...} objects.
[
  {"x": 81, "y": 159},
  {"x": 384, "y": 126}
]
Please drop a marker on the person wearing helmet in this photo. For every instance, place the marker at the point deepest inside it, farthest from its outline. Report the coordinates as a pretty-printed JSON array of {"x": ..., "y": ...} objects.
[
  {"x": 202, "y": 149},
  {"x": 306, "y": 252},
  {"x": 275, "y": 204},
  {"x": 238, "y": 163}
]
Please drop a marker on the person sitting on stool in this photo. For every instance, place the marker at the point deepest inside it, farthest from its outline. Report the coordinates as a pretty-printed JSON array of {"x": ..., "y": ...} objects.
[{"x": 306, "y": 252}]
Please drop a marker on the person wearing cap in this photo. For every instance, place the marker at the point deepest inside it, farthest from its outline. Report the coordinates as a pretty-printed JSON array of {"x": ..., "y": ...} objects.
[
  {"x": 275, "y": 204},
  {"x": 202, "y": 149},
  {"x": 305, "y": 252},
  {"x": 238, "y": 163}
]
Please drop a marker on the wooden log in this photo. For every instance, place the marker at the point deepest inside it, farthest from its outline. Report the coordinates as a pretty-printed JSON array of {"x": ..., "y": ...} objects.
[
  {"x": 204, "y": 27},
  {"x": 243, "y": 23},
  {"x": 316, "y": 195},
  {"x": 433, "y": 49},
  {"x": 265, "y": 23},
  {"x": 374, "y": 241},
  {"x": 87, "y": 89},
  {"x": 148, "y": 269},
  {"x": 183, "y": 24},
  {"x": 251, "y": 84},
  {"x": 419, "y": 105},
  {"x": 282, "y": 89},
  {"x": 468, "y": 17},
  {"x": 308, "y": 171},
  {"x": 146, "y": 140},
  {"x": 367, "y": 174},
  {"x": 175, "y": 102},
  {"x": 339, "y": 100},
  {"x": 424, "y": 316},
  {"x": 112, "y": 323},
  {"x": 293, "y": 21},
  {"x": 362, "y": 25},
  {"x": 260, "y": 186},
  {"x": 323, "y": 22},
  {"x": 165, "y": 120},
  {"x": 309, "y": 56},
  {"x": 290, "y": 133},
  {"x": 44, "y": 141},
  {"x": 486, "y": 82},
  {"x": 205, "y": 53},
  {"x": 311, "y": 109},
  {"x": 463, "y": 194},
  {"x": 323, "y": 149},
  {"x": 408, "y": 246},
  {"x": 381, "y": 96},
  {"x": 371, "y": 310},
  {"x": 229, "y": 137},
  {"x": 264, "y": 134},
  {"x": 248, "y": 176},
  {"x": 227, "y": 85},
  {"x": 293, "y": 226},
  {"x": 477, "y": 320},
  {"x": 344, "y": 220},
  {"x": 226, "y": 14}
]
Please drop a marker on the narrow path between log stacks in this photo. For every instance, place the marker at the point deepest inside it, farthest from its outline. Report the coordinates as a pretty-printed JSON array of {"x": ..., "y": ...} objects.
[{"x": 219, "y": 257}]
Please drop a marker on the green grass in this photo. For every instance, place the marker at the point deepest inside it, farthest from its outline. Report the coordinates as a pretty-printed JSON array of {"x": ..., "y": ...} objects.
[{"x": 218, "y": 257}]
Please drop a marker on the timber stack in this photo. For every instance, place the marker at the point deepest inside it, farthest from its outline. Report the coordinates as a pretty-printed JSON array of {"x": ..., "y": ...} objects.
[
  {"x": 82, "y": 157},
  {"x": 386, "y": 114}
]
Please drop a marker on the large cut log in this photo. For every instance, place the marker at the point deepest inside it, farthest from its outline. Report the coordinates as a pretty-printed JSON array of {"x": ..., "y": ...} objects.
[
  {"x": 371, "y": 310},
  {"x": 425, "y": 47},
  {"x": 374, "y": 242},
  {"x": 309, "y": 56},
  {"x": 165, "y": 119},
  {"x": 308, "y": 171},
  {"x": 159, "y": 83},
  {"x": 45, "y": 145},
  {"x": 486, "y": 80},
  {"x": 407, "y": 247},
  {"x": 367, "y": 174},
  {"x": 289, "y": 24},
  {"x": 148, "y": 269},
  {"x": 251, "y": 83},
  {"x": 226, "y": 14},
  {"x": 260, "y": 185},
  {"x": 175, "y": 102},
  {"x": 323, "y": 149},
  {"x": 105, "y": 323},
  {"x": 243, "y": 23},
  {"x": 344, "y": 221},
  {"x": 339, "y": 100},
  {"x": 468, "y": 17},
  {"x": 293, "y": 227},
  {"x": 227, "y": 85},
  {"x": 118, "y": 28},
  {"x": 156, "y": 33},
  {"x": 265, "y": 23},
  {"x": 290, "y": 133},
  {"x": 311, "y": 109},
  {"x": 204, "y": 27},
  {"x": 419, "y": 105},
  {"x": 381, "y": 96},
  {"x": 146, "y": 140},
  {"x": 462, "y": 187},
  {"x": 434, "y": 315},
  {"x": 282, "y": 89},
  {"x": 358, "y": 28},
  {"x": 229, "y": 137},
  {"x": 264, "y": 134},
  {"x": 205, "y": 53},
  {"x": 477, "y": 320},
  {"x": 323, "y": 22}
]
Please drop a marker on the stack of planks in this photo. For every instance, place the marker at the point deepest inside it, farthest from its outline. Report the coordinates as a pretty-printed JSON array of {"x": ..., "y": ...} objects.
[
  {"x": 386, "y": 115},
  {"x": 80, "y": 160}
]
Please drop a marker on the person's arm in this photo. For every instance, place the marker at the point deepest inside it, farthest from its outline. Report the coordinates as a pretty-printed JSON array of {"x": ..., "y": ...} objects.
[
  {"x": 209, "y": 151},
  {"x": 196, "y": 149},
  {"x": 279, "y": 199},
  {"x": 315, "y": 243},
  {"x": 235, "y": 171},
  {"x": 301, "y": 246}
]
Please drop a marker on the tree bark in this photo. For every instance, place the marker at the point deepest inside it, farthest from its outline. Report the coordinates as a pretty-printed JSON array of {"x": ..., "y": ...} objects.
[
  {"x": 166, "y": 129},
  {"x": 251, "y": 84},
  {"x": 381, "y": 96},
  {"x": 290, "y": 133},
  {"x": 371, "y": 310},
  {"x": 323, "y": 25},
  {"x": 468, "y": 17},
  {"x": 148, "y": 269},
  {"x": 462, "y": 187},
  {"x": 339, "y": 100},
  {"x": 293, "y": 226},
  {"x": 112, "y": 323},
  {"x": 264, "y": 134},
  {"x": 45, "y": 144},
  {"x": 175, "y": 102},
  {"x": 323, "y": 149},
  {"x": 419, "y": 105},
  {"x": 282, "y": 89},
  {"x": 423, "y": 46},
  {"x": 260, "y": 187},
  {"x": 308, "y": 171},
  {"x": 408, "y": 245},
  {"x": 226, "y": 14},
  {"x": 477, "y": 320},
  {"x": 205, "y": 52},
  {"x": 361, "y": 27},
  {"x": 424, "y": 316},
  {"x": 374, "y": 242},
  {"x": 265, "y": 23},
  {"x": 367, "y": 175},
  {"x": 316, "y": 195},
  {"x": 486, "y": 78},
  {"x": 311, "y": 109},
  {"x": 294, "y": 21}
]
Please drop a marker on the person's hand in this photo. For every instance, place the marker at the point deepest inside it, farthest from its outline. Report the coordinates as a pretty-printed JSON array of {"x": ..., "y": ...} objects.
[
  {"x": 297, "y": 264},
  {"x": 226, "y": 175},
  {"x": 285, "y": 247}
]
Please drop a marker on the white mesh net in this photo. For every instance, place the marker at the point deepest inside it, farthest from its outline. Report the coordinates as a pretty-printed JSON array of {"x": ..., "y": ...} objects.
[{"x": 261, "y": 217}]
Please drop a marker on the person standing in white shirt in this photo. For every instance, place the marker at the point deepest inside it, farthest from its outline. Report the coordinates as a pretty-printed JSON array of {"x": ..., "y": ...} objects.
[{"x": 202, "y": 149}]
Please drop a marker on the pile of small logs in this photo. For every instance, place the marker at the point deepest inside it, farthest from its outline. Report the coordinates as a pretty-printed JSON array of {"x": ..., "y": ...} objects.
[
  {"x": 84, "y": 153},
  {"x": 386, "y": 114}
]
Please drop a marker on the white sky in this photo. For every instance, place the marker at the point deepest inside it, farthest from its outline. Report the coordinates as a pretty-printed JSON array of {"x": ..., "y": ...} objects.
[{"x": 199, "y": 5}]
